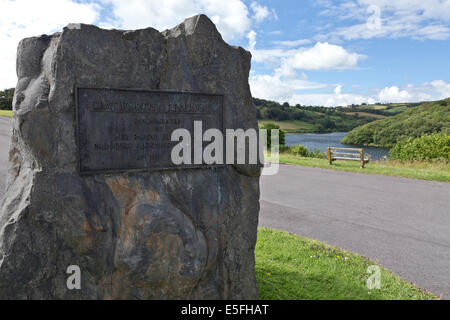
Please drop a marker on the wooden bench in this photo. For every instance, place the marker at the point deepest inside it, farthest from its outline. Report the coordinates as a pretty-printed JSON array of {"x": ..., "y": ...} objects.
[{"x": 335, "y": 153}]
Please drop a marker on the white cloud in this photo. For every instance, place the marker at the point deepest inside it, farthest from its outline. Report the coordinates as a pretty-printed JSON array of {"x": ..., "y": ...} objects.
[
  {"x": 442, "y": 87},
  {"x": 330, "y": 99},
  {"x": 434, "y": 90},
  {"x": 260, "y": 13},
  {"x": 285, "y": 84},
  {"x": 251, "y": 36},
  {"x": 26, "y": 18},
  {"x": 290, "y": 89},
  {"x": 394, "y": 94},
  {"x": 273, "y": 88},
  {"x": 269, "y": 56},
  {"x": 324, "y": 56},
  {"x": 231, "y": 16},
  {"x": 293, "y": 43},
  {"x": 415, "y": 19},
  {"x": 276, "y": 32},
  {"x": 321, "y": 56},
  {"x": 338, "y": 89},
  {"x": 278, "y": 88}
]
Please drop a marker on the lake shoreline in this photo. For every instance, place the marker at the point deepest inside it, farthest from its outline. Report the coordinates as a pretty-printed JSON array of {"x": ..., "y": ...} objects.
[{"x": 322, "y": 141}]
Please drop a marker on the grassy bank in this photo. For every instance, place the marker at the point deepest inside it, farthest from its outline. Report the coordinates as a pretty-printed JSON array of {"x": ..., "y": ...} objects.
[
  {"x": 415, "y": 170},
  {"x": 429, "y": 117},
  {"x": 6, "y": 113},
  {"x": 366, "y": 114},
  {"x": 292, "y": 126},
  {"x": 289, "y": 267}
]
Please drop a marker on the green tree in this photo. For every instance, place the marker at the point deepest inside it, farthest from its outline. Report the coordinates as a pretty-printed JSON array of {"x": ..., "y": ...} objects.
[
  {"x": 270, "y": 126},
  {"x": 6, "y": 98}
]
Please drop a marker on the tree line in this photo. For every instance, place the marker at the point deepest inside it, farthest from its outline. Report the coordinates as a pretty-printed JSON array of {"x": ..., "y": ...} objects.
[
  {"x": 322, "y": 119},
  {"x": 6, "y": 98}
]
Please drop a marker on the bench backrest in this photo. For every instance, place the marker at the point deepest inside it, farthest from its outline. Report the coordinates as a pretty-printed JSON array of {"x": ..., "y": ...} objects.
[{"x": 335, "y": 153}]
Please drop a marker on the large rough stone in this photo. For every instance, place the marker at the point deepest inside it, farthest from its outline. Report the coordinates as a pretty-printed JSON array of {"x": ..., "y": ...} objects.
[{"x": 173, "y": 234}]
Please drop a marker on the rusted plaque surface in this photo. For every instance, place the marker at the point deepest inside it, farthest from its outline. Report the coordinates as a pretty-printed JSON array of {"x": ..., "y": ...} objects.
[{"x": 130, "y": 129}]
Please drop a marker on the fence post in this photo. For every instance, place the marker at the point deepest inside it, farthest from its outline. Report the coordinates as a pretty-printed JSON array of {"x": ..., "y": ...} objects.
[
  {"x": 361, "y": 153},
  {"x": 329, "y": 155}
]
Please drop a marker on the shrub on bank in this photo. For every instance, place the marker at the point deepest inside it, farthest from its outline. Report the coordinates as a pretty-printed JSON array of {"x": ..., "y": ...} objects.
[
  {"x": 429, "y": 147},
  {"x": 269, "y": 126},
  {"x": 302, "y": 151}
]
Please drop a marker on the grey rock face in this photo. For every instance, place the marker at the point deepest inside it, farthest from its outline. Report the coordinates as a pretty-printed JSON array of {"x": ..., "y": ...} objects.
[{"x": 175, "y": 234}]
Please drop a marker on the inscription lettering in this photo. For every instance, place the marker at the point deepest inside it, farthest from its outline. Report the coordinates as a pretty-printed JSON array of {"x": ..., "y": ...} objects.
[
  {"x": 123, "y": 106},
  {"x": 126, "y": 129}
]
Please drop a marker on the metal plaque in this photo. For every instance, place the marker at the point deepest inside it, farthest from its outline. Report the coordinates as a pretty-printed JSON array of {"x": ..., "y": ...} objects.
[{"x": 130, "y": 129}]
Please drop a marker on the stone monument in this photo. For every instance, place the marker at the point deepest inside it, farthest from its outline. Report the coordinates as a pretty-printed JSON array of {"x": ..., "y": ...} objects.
[{"x": 91, "y": 190}]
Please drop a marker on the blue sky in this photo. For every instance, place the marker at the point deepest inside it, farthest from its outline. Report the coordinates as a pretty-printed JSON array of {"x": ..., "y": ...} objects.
[
  {"x": 312, "y": 52},
  {"x": 397, "y": 60}
]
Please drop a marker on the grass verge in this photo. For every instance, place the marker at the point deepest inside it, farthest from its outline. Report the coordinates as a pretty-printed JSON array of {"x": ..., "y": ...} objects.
[
  {"x": 289, "y": 267},
  {"x": 415, "y": 170},
  {"x": 6, "y": 113}
]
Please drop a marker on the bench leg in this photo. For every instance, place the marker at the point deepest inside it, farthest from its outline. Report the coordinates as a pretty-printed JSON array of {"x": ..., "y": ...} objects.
[{"x": 361, "y": 154}]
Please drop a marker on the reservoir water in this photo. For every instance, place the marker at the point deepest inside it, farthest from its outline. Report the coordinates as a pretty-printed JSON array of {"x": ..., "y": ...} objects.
[{"x": 322, "y": 141}]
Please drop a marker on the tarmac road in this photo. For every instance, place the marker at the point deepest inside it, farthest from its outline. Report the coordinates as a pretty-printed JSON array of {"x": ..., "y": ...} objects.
[{"x": 404, "y": 224}]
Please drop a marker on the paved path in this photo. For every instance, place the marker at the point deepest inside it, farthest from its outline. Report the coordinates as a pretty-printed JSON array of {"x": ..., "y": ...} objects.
[{"x": 402, "y": 223}]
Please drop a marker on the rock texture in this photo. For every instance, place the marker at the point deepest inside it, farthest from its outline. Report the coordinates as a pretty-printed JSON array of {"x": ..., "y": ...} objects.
[{"x": 180, "y": 234}]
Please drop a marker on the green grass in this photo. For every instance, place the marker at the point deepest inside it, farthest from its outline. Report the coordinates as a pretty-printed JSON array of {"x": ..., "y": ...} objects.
[
  {"x": 6, "y": 113},
  {"x": 415, "y": 170},
  {"x": 372, "y": 107},
  {"x": 289, "y": 267},
  {"x": 292, "y": 126},
  {"x": 366, "y": 114},
  {"x": 397, "y": 109},
  {"x": 379, "y": 107}
]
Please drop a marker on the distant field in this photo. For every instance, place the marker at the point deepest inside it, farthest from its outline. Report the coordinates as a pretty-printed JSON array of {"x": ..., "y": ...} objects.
[
  {"x": 397, "y": 109},
  {"x": 378, "y": 107},
  {"x": 292, "y": 125},
  {"x": 389, "y": 109},
  {"x": 374, "y": 107},
  {"x": 366, "y": 114}
]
